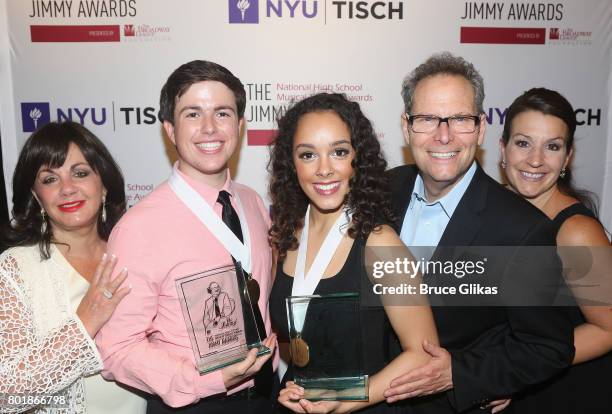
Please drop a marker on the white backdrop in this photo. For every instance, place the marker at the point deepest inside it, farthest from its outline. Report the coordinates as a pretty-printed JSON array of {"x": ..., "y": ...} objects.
[{"x": 283, "y": 49}]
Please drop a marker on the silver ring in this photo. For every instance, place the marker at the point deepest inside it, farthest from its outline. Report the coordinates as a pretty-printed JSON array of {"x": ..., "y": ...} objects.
[{"x": 107, "y": 293}]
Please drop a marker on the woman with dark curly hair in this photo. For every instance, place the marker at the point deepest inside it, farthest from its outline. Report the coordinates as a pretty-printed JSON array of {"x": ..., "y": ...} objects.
[{"x": 330, "y": 200}]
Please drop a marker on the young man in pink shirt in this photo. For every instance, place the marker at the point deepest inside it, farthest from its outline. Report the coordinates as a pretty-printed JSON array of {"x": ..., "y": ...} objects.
[{"x": 146, "y": 344}]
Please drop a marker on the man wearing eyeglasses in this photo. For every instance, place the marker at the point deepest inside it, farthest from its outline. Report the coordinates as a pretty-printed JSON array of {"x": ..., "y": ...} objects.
[{"x": 486, "y": 354}]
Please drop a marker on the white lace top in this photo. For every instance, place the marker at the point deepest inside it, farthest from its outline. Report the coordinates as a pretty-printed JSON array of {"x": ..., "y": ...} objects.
[{"x": 44, "y": 348}]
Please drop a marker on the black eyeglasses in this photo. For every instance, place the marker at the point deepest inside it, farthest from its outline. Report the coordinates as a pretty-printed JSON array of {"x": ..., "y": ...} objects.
[{"x": 460, "y": 124}]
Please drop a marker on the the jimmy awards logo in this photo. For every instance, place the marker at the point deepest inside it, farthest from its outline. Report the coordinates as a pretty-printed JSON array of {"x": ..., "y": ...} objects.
[
  {"x": 243, "y": 11},
  {"x": 34, "y": 115}
]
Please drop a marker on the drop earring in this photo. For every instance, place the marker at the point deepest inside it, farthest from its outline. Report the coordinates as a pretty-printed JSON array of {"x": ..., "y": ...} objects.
[
  {"x": 43, "y": 225},
  {"x": 103, "y": 209},
  {"x": 562, "y": 173}
]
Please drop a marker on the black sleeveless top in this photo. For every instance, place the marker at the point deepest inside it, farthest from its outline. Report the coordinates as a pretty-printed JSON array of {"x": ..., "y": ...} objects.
[
  {"x": 577, "y": 209},
  {"x": 375, "y": 326},
  {"x": 583, "y": 388}
]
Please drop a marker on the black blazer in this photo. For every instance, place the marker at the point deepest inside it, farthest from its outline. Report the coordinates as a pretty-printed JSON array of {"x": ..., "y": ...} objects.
[{"x": 496, "y": 351}]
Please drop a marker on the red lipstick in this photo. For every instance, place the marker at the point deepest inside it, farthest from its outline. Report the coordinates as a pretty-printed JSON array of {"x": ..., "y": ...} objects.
[{"x": 71, "y": 207}]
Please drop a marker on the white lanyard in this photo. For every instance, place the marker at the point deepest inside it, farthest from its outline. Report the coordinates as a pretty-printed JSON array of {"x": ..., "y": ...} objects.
[
  {"x": 194, "y": 201},
  {"x": 305, "y": 285}
]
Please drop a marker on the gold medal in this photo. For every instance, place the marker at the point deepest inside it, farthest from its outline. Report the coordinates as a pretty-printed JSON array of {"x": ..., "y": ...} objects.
[
  {"x": 253, "y": 288},
  {"x": 300, "y": 353}
]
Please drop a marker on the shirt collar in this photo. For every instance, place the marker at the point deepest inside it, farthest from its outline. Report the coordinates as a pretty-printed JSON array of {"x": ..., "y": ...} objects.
[
  {"x": 209, "y": 193},
  {"x": 449, "y": 201}
]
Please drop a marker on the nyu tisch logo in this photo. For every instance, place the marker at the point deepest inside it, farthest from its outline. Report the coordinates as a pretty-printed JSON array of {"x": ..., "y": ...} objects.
[
  {"x": 243, "y": 11},
  {"x": 34, "y": 115}
]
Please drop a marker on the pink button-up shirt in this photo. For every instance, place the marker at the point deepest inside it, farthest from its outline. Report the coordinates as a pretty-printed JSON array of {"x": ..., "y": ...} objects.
[{"x": 145, "y": 344}]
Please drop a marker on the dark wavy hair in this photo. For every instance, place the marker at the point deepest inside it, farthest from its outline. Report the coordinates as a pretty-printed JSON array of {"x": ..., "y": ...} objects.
[
  {"x": 193, "y": 72},
  {"x": 552, "y": 103},
  {"x": 369, "y": 194},
  {"x": 48, "y": 147}
]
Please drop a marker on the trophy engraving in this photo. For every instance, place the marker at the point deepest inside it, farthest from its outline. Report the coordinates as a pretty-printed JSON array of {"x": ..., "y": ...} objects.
[{"x": 219, "y": 317}]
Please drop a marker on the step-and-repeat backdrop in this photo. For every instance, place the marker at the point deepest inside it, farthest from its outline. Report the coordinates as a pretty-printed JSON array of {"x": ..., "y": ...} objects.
[{"x": 102, "y": 63}]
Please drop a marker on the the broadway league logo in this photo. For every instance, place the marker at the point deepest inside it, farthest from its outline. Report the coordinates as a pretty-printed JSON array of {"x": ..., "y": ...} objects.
[
  {"x": 129, "y": 30},
  {"x": 34, "y": 115},
  {"x": 568, "y": 36},
  {"x": 243, "y": 11},
  {"x": 554, "y": 33}
]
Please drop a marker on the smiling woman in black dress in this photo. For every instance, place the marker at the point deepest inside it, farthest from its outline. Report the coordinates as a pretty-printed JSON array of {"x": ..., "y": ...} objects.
[
  {"x": 326, "y": 167},
  {"x": 537, "y": 145}
]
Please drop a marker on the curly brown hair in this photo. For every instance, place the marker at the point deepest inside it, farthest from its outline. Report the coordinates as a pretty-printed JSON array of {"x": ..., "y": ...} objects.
[{"x": 369, "y": 195}]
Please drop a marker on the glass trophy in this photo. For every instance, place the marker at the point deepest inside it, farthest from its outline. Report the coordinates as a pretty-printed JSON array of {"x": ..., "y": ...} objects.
[
  {"x": 325, "y": 346},
  {"x": 219, "y": 317}
]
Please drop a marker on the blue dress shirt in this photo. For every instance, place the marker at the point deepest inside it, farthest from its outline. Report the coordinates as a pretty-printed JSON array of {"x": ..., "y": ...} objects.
[{"x": 425, "y": 222}]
